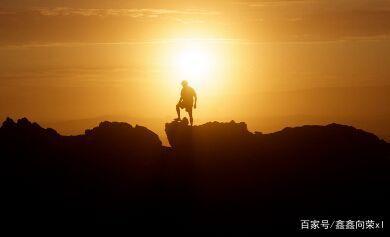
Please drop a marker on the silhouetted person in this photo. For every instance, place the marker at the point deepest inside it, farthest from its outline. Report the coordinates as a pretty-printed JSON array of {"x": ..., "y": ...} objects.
[{"x": 186, "y": 100}]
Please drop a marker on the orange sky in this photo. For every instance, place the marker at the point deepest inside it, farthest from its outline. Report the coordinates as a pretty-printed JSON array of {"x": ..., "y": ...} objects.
[{"x": 276, "y": 63}]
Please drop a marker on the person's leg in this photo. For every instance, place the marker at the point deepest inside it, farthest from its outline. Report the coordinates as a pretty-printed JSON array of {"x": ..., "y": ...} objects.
[
  {"x": 178, "y": 111},
  {"x": 191, "y": 119}
]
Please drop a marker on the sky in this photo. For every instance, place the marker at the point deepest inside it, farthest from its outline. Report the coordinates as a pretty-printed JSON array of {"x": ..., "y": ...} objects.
[{"x": 269, "y": 63}]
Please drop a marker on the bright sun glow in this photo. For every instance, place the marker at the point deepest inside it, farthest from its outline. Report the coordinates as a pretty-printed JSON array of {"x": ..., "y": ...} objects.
[{"x": 195, "y": 62}]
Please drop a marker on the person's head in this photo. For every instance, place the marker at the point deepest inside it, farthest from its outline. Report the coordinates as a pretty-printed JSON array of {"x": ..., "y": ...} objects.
[{"x": 184, "y": 83}]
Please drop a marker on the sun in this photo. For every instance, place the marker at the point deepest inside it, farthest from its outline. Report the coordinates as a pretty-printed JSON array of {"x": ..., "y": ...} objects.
[{"x": 194, "y": 62}]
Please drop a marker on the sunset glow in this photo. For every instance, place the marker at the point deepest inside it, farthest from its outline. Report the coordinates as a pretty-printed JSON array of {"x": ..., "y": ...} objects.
[
  {"x": 271, "y": 64},
  {"x": 193, "y": 61}
]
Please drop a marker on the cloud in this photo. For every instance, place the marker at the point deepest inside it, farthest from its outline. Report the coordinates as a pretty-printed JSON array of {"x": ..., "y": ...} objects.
[
  {"x": 322, "y": 20},
  {"x": 270, "y": 3},
  {"x": 135, "y": 13},
  {"x": 122, "y": 43},
  {"x": 69, "y": 76},
  {"x": 253, "y": 21}
]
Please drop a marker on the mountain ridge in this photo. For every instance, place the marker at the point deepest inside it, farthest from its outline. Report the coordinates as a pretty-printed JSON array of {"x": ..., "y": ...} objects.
[{"x": 214, "y": 175}]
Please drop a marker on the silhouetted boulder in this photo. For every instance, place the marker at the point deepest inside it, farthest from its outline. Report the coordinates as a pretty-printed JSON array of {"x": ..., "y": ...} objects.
[
  {"x": 310, "y": 139},
  {"x": 24, "y": 126},
  {"x": 8, "y": 124},
  {"x": 209, "y": 136},
  {"x": 26, "y": 135},
  {"x": 122, "y": 138}
]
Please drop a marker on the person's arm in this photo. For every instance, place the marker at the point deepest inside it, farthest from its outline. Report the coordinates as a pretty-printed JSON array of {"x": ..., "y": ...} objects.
[
  {"x": 181, "y": 96},
  {"x": 196, "y": 98}
]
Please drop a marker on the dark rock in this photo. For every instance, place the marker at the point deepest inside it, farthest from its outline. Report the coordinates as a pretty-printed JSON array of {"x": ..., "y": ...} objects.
[
  {"x": 332, "y": 138},
  {"x": 212, "y": 135},
  {"x": 8, "y": 124},
  {"x": 26, "y": 132},
  {"x": 122, "y": 138},
  {"x": 215, "y": 175}
]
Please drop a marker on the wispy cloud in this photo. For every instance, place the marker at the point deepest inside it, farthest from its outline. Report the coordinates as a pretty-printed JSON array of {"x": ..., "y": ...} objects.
[
  {"x": 269, "y": 3},
  {"x": 257, "y": 21},
  {"x": 69, "y": 76},
  {"x": 135, "y": 13},
  {"x": 119, "y": 43}
]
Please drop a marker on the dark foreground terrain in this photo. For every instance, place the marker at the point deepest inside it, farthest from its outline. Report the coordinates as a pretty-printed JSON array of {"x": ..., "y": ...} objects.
[{"x": 214, "y": 177}]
